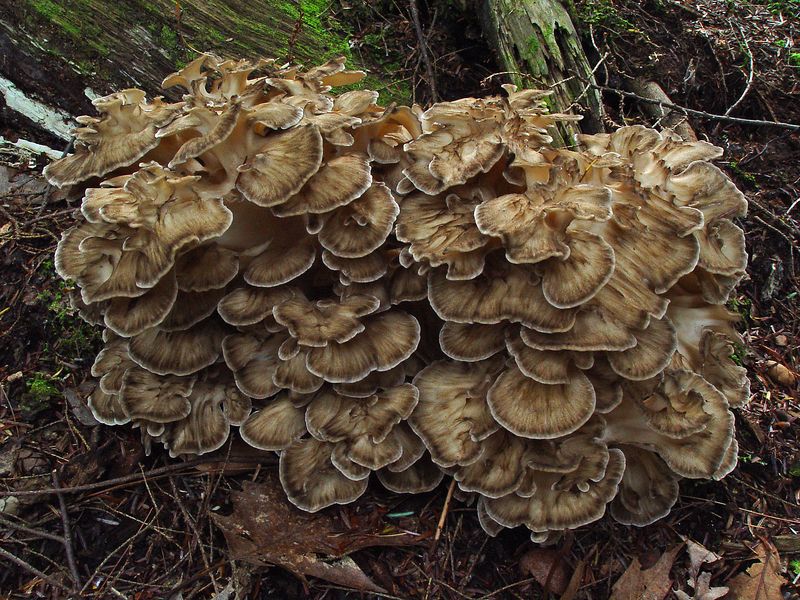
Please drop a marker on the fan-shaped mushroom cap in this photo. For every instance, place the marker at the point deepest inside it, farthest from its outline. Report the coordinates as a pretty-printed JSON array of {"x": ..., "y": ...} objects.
[
  {"x": 276, "y": 426},
  {"x": 253, "y": 358},
  {"x": 248, "y": 305},
  {"x": 213, "y": 129},
  {"x": 705, "y": 429},
  {"x": 499, "y": 469},
  {"x": 647, "y": 491},
  {"x": 155, "y": 398},
  {"x": 471, "y": 342},
  {"x": 546, "y": 366},
  {"x": 362, "y": 426},
  {"x": 216, "y": 405},
  {"x": 289, "y": 253},
  {"x": 310, "y": 480},
  {"x": 190, "y": 308},
  {"x": 131, "y": 316},
  {"x": 338, "y": 181},
  {"x": 452, "y": 416},
  {"x": 388, "y": 339},
  {"x": 422, "y": 476},
  {"x": 208, "y": 267},
  {"x": 532, "y": 409},
  {"x": 365, "y": 269},
  {"x": 413, "y": 447},
  {"x": 125, "y": 132},
  {"x": 441, "y": 230},
  {"x": 178, "y": 352},
  {"x": 283, "y": 164},
  {"x": 111, "y": 363},
  {"x": 107, "y": 408},
  {"x": 554, "y": 506},
  {"x": 317, "y": 323},
  {"x": 361, "y": 226},
  {"x": 653, "y": 351},
  {"x": 718, "y": 369},
  {"x": 506, "y": 292}
]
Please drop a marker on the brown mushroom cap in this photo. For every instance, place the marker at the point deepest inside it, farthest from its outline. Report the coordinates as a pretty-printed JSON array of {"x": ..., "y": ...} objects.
[
  {"x": 532, "y": 409},
  {"x": 207, "y": 267},
  {"x": 155, "y": 398},
  {"x": 648, "y": 489},
  {"x": 452, "y": 416},
  {"x": 131, "y": 316},
  {"x": 276, "y": 426},
  {"x": 310, "y": 480},
  {"x": 178, "y": 352},
  {"x": 471, "y": 342},
  {"x": 317, "y": 323},
  {"x": 361, "y": 226},
  {"x": 651, "y": 354},
  {"x": 499, "y": 469},
  {"x": 253, "y": 358},
  {"x": 422, "y": 476},
  {"x": 248, "y": 305}
]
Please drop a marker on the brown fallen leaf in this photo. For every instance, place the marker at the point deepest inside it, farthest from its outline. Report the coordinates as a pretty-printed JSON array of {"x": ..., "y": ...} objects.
[
  {"x": 646, "y": 584},
  {"x": 780, "y": 374},
  {"x": 265, "y": 529},
  {"x": 703, "y": 589},
  {"x": 546, "y": 565},
  {"x": 700, "y": 583},
  {"x": 762, "y": 581}
]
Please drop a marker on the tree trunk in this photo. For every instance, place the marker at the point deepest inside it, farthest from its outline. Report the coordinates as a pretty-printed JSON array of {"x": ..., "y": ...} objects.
[{"x": 538, "y": 45}]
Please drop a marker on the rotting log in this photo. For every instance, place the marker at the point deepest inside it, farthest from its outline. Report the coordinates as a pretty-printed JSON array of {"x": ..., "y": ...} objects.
[
  {"x": 62, "y": 53},
  {"x": 538, "y": 46}
]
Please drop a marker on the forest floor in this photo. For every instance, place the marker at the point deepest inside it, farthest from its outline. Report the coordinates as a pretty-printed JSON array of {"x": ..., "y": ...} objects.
[{"x": 83, "y": 512}]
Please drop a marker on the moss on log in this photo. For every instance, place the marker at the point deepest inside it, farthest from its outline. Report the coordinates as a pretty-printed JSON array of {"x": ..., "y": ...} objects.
[{"x": 538, "y": 45}]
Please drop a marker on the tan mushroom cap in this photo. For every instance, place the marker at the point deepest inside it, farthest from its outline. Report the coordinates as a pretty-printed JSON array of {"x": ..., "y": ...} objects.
[
  {"x": 213, "y": 129},
  {"x": 190, "y": 308},
  {"x": 388, "y": 339},
  {"x": 413, "y": 448},
  {"x": 248, "y": 305},
  {"x": 178, "y": 352},
  {"x": 553, "y": 507},
  {"x": 369, "y": 385},
  {"x": 276, "y": 426},
  {"x": 207, "y": 267},
  {"x": 310, "y": 480},
  {"x": 361, "y": 226},
  {"x": 722, "y": 249},
  {"x": 293, "y": 374},
  {"x": 216, "y": 405},
  {"x": 607, "y": 386},
  {"x": 111, "y": 363},
  {"x": 132, "y": 316},
  {"x": 253, "y": 360},
  {"x": 125, "y": 132},
  {"x": 422, "y": 476},
  {"x": 696, "y": 455},
  {"x": 716, "y": 349},
  {"x": 317, "y": 323},
  {"x": 452, "y": 416},
  {"x": 651, "y": 354},
  {"x": 536, "y": 410},
  {"x": 273, "y": 114},
  {"x": 283, "y": 260},
  {"x": 365, "y": 269},
  {"x": 471, "y": 342},
  {"x": 442, "y": 231},
  {"x": 505, "y": 292},
  {"x": 648, "y": 489},
  {"x": 499, "y": 469},
  {"x": 339, "y": 181},
  {"x": 107, "y": 408},
  {"x": 406, "y": 285},
  {"x": 155, "y": 398},
  {"x": 283, "y": 164},
  {"x": 546, "y": 366}
]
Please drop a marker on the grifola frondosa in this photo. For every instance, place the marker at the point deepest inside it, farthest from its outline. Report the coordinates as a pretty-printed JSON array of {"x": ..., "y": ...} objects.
[{"x": 411, "y": 294}]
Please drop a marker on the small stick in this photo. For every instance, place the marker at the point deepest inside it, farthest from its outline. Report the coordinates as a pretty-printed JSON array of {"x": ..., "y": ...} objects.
[
  {"x": 29, "y": 530},
  {"x": 445, "y": 510},
  {"x": 423, "y": 48},
  {"x": 73, "y": 566},
  {"x": 32, "y": 569}
]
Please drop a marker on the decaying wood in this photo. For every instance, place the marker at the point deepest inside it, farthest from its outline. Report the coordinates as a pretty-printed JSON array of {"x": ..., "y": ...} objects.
[{"x": 538, "y": 46}]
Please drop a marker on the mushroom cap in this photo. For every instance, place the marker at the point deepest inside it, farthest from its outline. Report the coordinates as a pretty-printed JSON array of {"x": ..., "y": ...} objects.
[
  {"x": 317, "y": 323},
  {"x": 155, "y": 398},
  {"x": 648, "y": 489},
  {"x": 422, "y": 476},
  {"x": 471, "y": 342},
  {"x": 310, "y": 480},
  {"x": 452, "y": 416},
  {"x": 537, "y": 410},
  {"x": 276, "y": 426},
  {"x": 178, "y": 352},
  {"x": 207, "y": 267}
]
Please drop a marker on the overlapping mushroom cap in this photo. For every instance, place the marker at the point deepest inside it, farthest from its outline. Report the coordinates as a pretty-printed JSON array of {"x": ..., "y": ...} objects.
[{"x": 411, "y": 294}]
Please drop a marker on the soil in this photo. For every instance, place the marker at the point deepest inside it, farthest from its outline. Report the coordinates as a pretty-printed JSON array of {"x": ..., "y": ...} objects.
[{"x": 145, "y": 526}]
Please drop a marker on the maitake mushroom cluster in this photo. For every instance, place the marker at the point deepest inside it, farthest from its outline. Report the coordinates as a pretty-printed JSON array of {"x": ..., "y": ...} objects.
[{"x": 410, "y": 294}]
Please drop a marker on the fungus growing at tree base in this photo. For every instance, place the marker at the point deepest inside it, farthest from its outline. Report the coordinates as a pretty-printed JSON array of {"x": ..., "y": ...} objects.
[{"x": 411, "y": 294}]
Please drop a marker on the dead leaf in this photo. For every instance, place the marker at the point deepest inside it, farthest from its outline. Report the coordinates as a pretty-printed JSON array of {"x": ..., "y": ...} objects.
[
  {"x": 76, "y": 397},
  {"x": 546, "y": 565},
  {"x": 780, "y": 374},
  {"x": 699, "y": 555},
  {"x": 648, "y": 584},
  {"x": 575, "y": 581},
  {"x": 702, "y": 589},
  {"x": 265, "y": 529},
  {"x": 762, "y": 581}
]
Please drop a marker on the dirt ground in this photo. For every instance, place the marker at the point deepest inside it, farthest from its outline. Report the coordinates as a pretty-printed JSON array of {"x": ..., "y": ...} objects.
[{"x": 83, "y": 511}]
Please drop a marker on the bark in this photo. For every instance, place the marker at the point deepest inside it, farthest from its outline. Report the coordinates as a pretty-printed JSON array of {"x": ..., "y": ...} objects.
[{"x": 537, "y": 44}]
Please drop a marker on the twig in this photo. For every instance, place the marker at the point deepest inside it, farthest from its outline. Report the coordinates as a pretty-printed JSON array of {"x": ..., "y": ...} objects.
[
  {"x": 423, "y": 48},
  {"x": 749, "y": 76},
  {"x": 19, "y": 562},
  {"x": 445, "y": 510},
  {"x": 29, "y": 530},
  {"x": 62, "y": 505},
  {"x": 698, "y": 113},
  {"x": 127, "y": 478}
]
